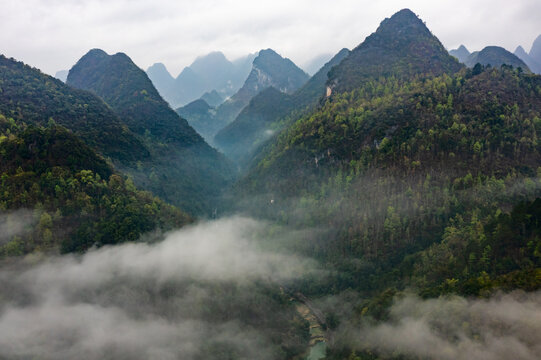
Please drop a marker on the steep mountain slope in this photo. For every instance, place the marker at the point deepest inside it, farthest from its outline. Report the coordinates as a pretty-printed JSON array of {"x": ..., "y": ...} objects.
[
  {"x": 178, "y": 152},
  {"x": 207, "y": 73},
  {"x": 405, "y": 172},
  {"x": 128, "y": 90},
  {"x": 461, "y": 53},
  {"x": 212, "y": 98},
  {"x": 32, "y": 97},
  {"x": 267, "y": 112},
  {"x": 402, "y": 46},
  {"x": 535, "y": 51},
  {"x": 528, "y": 60},
  {"x": 269, "y": 69},
  {"x": 201, "y": 116},
  {"x": 495, "y": 56}
]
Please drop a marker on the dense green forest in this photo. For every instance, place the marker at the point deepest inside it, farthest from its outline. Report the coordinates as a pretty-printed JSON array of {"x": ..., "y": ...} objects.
[
  {"x": 389, "y": 165},
  {"x": 68, "y": 197}
]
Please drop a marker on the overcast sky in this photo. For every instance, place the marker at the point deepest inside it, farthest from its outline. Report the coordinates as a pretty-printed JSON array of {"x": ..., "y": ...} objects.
[{"x": 53, "y": 34}]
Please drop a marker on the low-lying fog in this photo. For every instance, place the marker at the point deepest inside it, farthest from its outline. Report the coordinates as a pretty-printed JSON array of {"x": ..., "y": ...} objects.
[
  {"x": 143, "y": 301},
  {"x": 211, "y": 291}
]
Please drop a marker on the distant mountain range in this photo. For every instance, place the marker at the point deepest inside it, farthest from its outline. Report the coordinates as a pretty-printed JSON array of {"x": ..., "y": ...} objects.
[
  {"x": 461, "y": 53},
  {"x": 533, "y": 58},
  {"x": 207, "y": 73},
  {"x": 315, "y": 64},
  {"x": 268, "y": 70},
  {"x": 497, "y": 56},
  {"x": 270, "y": 111},
  {"x": 62, "y": 75}
]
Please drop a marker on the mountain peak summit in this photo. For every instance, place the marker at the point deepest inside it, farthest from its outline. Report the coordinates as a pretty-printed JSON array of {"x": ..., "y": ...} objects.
[{"x": 401, "y": 46}]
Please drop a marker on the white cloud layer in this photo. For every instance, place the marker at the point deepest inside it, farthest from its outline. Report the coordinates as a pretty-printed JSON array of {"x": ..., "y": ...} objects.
[
  {"x": 54, "y": 34},
  {"x": 500, "y": 328}
]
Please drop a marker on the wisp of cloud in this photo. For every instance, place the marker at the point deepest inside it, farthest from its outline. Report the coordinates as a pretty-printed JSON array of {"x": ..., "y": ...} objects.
[{"x": 166, "y": 300}]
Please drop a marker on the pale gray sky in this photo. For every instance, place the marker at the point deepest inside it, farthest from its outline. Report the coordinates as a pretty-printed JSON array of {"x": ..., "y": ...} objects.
[{"x": 54, "y": 34}]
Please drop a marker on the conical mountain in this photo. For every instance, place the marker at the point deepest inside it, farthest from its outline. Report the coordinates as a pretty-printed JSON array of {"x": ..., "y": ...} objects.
[
  {"x": 528, "y": 60},
  {"x": 178, "y": 152},
  {"x": 401, "y": 46},
  {"x": 261, "y": 119},
  {"x": 269, "y": 69},
  {"x": 495, "y": 56},
  {"x": 129, "y": 91},
  {"x": 461, "y": 53},
  {"x": 161, "y": 79}
]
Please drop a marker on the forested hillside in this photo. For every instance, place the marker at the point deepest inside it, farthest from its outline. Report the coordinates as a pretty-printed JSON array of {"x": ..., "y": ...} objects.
[
  {"x": 59, "y": 195},
  {"x": 32, "y": 97},
  {"x": 402, "y": 46},
  {"x": 409, "y": 176},
  {"x": 182, "y": 168}
]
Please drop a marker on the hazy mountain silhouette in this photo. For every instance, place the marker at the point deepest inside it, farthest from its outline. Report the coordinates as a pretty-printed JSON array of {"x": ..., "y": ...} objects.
[
  {"x": 313, "y": 66},
  {"x": 461, "y": 53},
  {"x": 269, "y": 69},
  {"x": 207, "y": 73},
  {"x": 528, "y": 60},
  {"x": 62, "y": 75},
  {"x": 212, "y": 98},
  {"x": 495, "y": 56},
  {"x": 535, "y": 51}
]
